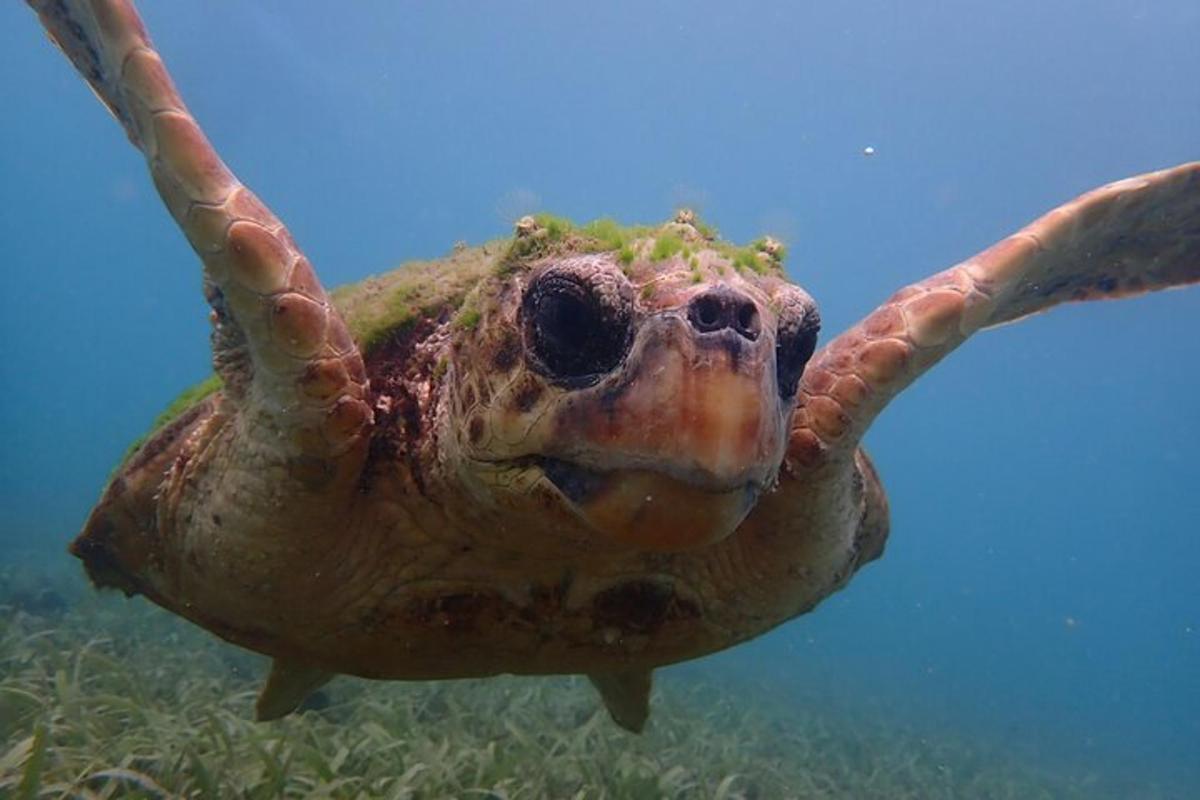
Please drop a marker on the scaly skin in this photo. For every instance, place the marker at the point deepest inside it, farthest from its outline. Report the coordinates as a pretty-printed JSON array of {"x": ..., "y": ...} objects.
[
  {"x": 430, "y": 580},
  {"x": 439, "y": 500},
  {"x": 282, "y": 350},
  {"x": 1133, "y": 236},
  {"x": 287, "y": 443}
]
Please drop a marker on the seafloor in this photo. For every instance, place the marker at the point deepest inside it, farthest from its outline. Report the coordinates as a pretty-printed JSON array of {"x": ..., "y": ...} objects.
[{"x": 102, "y": 697}]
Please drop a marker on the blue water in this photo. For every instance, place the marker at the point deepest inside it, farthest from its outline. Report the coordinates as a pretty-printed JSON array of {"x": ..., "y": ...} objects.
[{"x": 1040, "y": 586}]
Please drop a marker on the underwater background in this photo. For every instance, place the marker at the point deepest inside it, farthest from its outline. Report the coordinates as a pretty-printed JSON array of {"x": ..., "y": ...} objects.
[{"x": 1034, "y": 626}]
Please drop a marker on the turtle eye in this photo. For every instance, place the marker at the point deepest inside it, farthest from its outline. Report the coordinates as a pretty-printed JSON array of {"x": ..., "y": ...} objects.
[
  {"x": 795, "y": 341},
  {"x": 576, "y": 332}
]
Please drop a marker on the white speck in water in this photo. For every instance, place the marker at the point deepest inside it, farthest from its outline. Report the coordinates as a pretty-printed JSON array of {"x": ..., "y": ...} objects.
[{"x": 868, "y": 151}]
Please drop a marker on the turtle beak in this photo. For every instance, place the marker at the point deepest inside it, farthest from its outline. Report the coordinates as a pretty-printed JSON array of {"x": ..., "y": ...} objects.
[
  {"x": 697, "y": 400},
  {"x": 673, "y": 452},
  {"x": 651, "y": 510}
]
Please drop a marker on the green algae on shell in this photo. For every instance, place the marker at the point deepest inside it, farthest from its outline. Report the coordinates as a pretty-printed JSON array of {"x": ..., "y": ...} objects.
[{"x": 382, "y": 306}]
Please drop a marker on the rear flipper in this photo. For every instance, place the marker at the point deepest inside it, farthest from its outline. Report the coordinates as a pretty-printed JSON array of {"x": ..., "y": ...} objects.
[
  {"x": 626, "y": 695},
  {"x": 288, "y": 686}
]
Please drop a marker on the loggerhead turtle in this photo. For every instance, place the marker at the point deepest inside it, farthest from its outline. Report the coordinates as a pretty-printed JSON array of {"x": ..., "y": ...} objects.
[{"x": 583, "y": 450}]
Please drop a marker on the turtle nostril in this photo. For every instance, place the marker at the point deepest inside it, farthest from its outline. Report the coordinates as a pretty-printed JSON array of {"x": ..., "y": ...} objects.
[
  {"x": 746, "y": 321},
  {"x": 721, "y": 308},
  {"x": 708, "y": 313}
]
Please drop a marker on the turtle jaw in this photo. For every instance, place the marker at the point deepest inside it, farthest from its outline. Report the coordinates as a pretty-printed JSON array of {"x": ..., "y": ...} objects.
[
  {"x": 667, "y": 452},
  {"x": 651, "y": 509},
  {"x": 673, "y": 452}
]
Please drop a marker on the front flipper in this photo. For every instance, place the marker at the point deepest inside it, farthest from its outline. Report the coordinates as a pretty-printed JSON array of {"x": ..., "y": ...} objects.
[
  {"x": 1129, "y": 237},
  {"x": 626, "y": 695},
  {"x": 288, "y": 685},
  {"x": 288, "y": 363}
]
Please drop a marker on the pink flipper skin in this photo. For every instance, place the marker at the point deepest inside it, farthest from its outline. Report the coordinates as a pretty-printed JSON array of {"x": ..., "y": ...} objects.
[
  {"x": 265, "y": 471},
  {"x": 283, "y": 352},
  {"x": 1133, "y": 236}
]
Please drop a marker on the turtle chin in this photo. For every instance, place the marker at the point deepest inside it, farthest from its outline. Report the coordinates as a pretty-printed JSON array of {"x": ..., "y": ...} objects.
[{"x": 650, "y": 509}]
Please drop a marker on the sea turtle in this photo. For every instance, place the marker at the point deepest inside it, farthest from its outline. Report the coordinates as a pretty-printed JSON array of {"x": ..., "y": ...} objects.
[{"x": 585, "y": 450}]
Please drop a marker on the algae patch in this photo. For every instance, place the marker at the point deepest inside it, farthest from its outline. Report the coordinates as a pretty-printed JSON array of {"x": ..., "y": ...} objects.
[
  {"x": 185, "y": 400},
  {"x": 382, "y": 306}
]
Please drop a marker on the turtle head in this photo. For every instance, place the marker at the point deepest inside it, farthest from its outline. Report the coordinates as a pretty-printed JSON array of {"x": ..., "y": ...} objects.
[{"x": 640, "y": 394}]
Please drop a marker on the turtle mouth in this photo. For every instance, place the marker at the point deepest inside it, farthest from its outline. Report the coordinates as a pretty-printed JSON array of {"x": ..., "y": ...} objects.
[
  {"x": 649, "y": 508},
  {"x": 580, "y": 483},
  {"x": 575, "y": 482}
]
